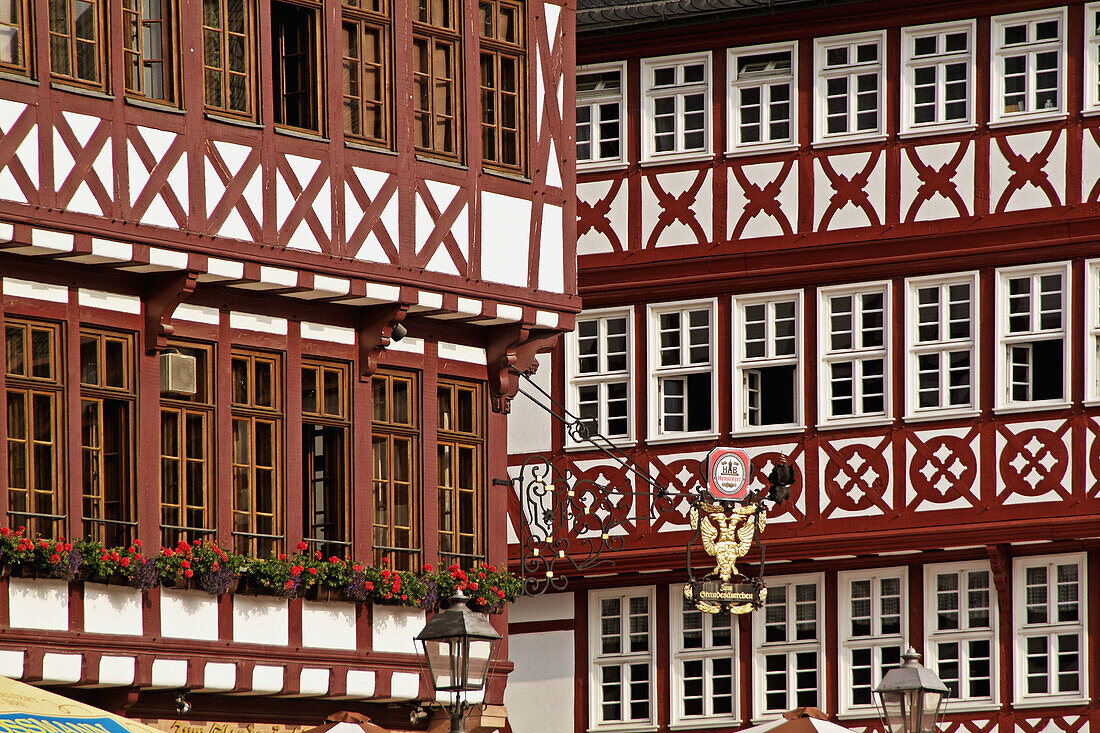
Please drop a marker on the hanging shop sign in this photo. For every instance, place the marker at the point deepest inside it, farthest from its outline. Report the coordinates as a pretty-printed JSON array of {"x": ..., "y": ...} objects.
[
  {"x": 728, "y": 517},
  {"x": 202, "y": 726}
]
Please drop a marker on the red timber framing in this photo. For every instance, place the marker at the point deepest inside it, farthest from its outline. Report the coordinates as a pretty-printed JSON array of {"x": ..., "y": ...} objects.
[
  {"x": 177, "y": 224},
  {"x": 1001, "y": 485}
]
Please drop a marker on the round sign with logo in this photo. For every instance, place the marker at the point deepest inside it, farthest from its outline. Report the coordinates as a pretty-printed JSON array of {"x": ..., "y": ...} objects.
[{"x": 728, "y": 472}]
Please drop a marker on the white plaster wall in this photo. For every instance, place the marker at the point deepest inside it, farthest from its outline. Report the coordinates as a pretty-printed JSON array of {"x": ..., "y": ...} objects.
[
  {"x": 38, "y": 604},
  {"x": 539, "y": 695},
  {"x": 259, "y": 620},
  {"x": 188, "y": 614},
  {"x": 328, "y": 625},
  {"x": 529, "y": 425},
  {"x": 548, "y": 607},
  {"x": 394, "y": 628},
  {"x": 112, "y": 609},
  {"x": 505, "y": 235}
]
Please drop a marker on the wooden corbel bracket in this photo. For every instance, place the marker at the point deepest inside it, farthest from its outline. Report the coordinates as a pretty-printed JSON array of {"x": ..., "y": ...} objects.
[
  {"x": 163, "y": 292},
  {"x": 510, "y": 351},
  {"x": 375, "y": 333},
  {"x": 999, "y": 565}
]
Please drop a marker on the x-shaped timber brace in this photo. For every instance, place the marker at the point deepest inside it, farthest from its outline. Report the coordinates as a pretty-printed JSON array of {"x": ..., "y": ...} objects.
[{"x": 567, "y": 523}]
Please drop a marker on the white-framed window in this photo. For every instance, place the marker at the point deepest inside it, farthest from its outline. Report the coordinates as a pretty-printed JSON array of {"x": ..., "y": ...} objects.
[
  {"x": 1029, "y": 66},
  {"x": 789, "y": 637},
  {"x": 681, "y": 367},
  {"x": 676, "y": 117},
  {"x": 767, "y": 347},
  {"x": 849, "y": 73},
  {"x": 1092, "y": 330},
  {"x": 872, "y": 632},
  {"x": 1033, "y": 329},
  {"x": 704, "y": 664},
  {"x": 1092, "y": 57},
  {"x": 601, "y": 101},
  {"x": 937, "y": 91},
  {"x": 761, "y": 101},
  {"x": 621, "y": 641},
  {"x": 942, "y": 313},
  {"x": 854, "y": 350},
  {"x": 960, "y": 619},
  {"x": 1048, "y": 609},
  {"x": 599, "y": 355}
]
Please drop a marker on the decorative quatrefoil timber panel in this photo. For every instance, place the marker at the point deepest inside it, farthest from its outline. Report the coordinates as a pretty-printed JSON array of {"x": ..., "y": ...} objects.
[
  {"x": 937, "y": 181},
  {"x": 1033, "y": 462},
  {"x": 1027, "y": 171},
  {"x": 855, "y": 477},
  {"x": 763, "y": 199},
  {"x": 849, "y": 190},
  {"x": 943, "y": 470},
  {"x": 681, "y": 202}
]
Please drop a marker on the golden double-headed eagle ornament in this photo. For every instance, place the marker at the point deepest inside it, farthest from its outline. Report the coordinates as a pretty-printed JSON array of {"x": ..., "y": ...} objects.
[{"x": 727, "y": 534}]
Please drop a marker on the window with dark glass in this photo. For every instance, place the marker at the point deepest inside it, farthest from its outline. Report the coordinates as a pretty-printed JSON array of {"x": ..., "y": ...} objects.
[
  {"x": 460, "y": 464},
  {"x": 186, "y": 453},
  {"x": 257, "y": 415},
  {"x": 15, "y": 19},
  {"x": 437, "y": 52},
  {"x": 326, "y": 436},
  {"x": 503, "y": 67},
  {"x": 76, "y": 41},
  {"x": 367, "y": 28},
  {"x": 294, "y": 44},
  {"x": 395, "y": 448},
  {"x": 33, "y": 371},
  {"x": 229, "y": 57},
  {"x": 148, "y": 33},
  {"x": 107, "y": 397}
]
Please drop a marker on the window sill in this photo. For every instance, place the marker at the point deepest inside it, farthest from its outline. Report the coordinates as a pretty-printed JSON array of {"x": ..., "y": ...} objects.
[
  {"x": 849, "y": 140},
  {"x": 1027, "y": 118},
  {"x": 971, "y": 707},
  {"x": 702, "y": 723},
  {"x": 1053, "y": 701},
  {"x": 158, "y": 106},
  {"x": 740, "y": 151},
  {"x": 855, "y": 422},
  {"x": 625, "y": 728},
  {"x": 423, "y": 158},
  {"x": 301, "y": 134},
  {"x": 750, "y": 432},
  {"x": 1091, "y": 111},
  {"x": 929, "y": 416},
  {"x": 354, "y": 144},
  {"x": 651, "y": 161},
  {"x": 858, "y": 713},
  {"x": 681, "y": 438},
  {"x": 15, "y": 76},
  {"x": 1091, "y": 402},
  {"x": 506, "y": 175},
  {"x": 237, "y": 121},
  {"x": 603, "y": 165},
  {"x": 86, "y": 91},
  {"x": 914, "y": 132},
  {"x": 1032, "y": 407}
]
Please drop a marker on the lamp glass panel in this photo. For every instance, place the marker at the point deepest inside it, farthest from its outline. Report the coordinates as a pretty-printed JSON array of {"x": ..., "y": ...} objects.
[
  {"x": 480, "y": 655},
  {"x": 892, "y": 711},
  {"x": 931, "y": 705}
]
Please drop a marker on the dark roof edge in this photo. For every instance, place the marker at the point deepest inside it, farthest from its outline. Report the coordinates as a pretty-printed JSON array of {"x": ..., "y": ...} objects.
[{"x": 616, "y": 15}]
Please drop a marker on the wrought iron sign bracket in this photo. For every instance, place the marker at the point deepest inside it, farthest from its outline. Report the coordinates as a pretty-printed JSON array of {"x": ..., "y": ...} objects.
[{"x": 163, "y": 292}]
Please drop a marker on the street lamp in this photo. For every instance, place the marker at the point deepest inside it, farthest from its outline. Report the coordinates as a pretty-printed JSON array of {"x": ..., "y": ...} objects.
[
  {"x": 911, "y": 697},
  {"x": 457, "y": 646}
]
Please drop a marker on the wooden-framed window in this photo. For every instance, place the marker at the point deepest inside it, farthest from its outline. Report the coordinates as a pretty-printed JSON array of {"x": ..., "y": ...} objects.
[
  {"x": 461, "y": 467},
  {"x": 368, "y": 73},
  {"x": 849, "y": 72},
  {"x": 790, "y": 652},
  {"x": 682, "y": 369},
  {"x": 187, "y": 457},
  {"x": 33, "y": 370},
  {"x": 938, "y": 63},
  {"x": 598, "y": 355},
  {"x": 326, "y": 443},
  {"x": 1092, "y": 57},
  {"x": 761, "y": 107},
  {"x": 437, "y": 91},
  {"x": 961, "y": 618},
  {"x": 872, "y": 632},
  {"x": 395, "y": 448},
  {"x": 149, "y": 48},
  {"x": 1033, "y": 320},
  {"x": 600, "y": 105},
  {"x": 942, "y": 344},
  {"x": 256, "y": 406},
  {"x": 229, "y": 57},
  {"x": 77, "y": 31},
  {"x": 767, "y": 358},
  {"x": 503, "y": 72},
  {"x": 676, "y": 103},
  {"x": 704, "y": 668},
  {"x": 295, "y": 40},
  {"x": 855, "y": 352},
  {"x": 622, "y": 658},
  {"x": 15, "y": 20},
  {"x": 107, "y": 397},
  {"x": 1029, "y": 66}
]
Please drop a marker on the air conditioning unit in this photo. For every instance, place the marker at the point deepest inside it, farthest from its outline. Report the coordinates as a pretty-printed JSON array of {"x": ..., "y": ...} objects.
[{"x": 179, "y": 374}]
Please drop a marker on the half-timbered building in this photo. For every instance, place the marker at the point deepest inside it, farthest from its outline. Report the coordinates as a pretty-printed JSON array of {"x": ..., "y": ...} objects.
[
  {"x": 863, "y": 236},
  {"x": 280, "y": 190}
]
